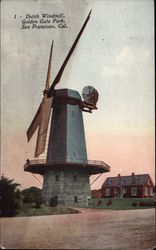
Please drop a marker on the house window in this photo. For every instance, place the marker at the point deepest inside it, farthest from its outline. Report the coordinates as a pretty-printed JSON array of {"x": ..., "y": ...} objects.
[
  {"x": 56, "y": 177},
  {"x": 146, "y": 191},
  {"x": 107, "y": 192},
  {"x": 75, "y": 177},
  {"x": 115, "y": 191},
  {"x": 151, "y": 191},
  {"x": 75, "y": 199},
  {"x": 134, "y": 191}
]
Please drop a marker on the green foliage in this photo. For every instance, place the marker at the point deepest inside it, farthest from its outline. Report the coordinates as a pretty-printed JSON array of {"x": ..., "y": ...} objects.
[
  {"x": 120, "y": 204},
  {"x": 28, "y": 209},
  {"x": 10, "y": 197},
  {"x": 32, "y": 195}
]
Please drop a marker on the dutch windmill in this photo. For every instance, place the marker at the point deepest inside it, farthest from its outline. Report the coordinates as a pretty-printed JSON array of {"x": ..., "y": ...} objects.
[{"x": 66, "y": 170}]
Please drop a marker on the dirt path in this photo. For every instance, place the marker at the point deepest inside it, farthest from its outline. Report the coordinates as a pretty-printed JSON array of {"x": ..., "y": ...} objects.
[{"x": 91, "y": 229}]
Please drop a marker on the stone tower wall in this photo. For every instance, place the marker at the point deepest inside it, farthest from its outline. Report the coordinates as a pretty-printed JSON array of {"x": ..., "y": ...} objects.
[{"x": 69, "y": 184}]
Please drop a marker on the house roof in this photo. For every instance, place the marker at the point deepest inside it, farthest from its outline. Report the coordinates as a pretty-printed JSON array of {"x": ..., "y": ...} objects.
[{"x": 133, "y": 179}]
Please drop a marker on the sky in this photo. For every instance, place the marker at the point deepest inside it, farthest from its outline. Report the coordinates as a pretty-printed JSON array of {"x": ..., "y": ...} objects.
[{"x": 115, "y": 55}]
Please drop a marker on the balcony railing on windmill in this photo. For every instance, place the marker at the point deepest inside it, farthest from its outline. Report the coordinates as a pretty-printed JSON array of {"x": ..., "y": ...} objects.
[{"x": 68, "y": 161}]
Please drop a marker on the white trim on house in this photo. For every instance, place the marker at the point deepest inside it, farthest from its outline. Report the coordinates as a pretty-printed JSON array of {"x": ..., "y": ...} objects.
[{"x": 134, "y": 191}]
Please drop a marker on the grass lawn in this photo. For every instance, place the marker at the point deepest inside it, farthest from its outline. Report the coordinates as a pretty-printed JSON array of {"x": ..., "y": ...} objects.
[
  {"x": 119, "y": 204},
  {"x": 27, "y": 209}
]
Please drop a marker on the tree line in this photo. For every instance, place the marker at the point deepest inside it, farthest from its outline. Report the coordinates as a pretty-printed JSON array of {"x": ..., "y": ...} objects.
[{"x": 11, "y": 197}]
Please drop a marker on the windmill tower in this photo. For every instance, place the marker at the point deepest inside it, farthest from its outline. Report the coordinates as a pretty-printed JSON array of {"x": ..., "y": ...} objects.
[{"x": 66, "y": 169}]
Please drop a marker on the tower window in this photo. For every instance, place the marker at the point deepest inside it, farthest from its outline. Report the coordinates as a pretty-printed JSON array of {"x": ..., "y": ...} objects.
[
  {"x": 59, "y": 134},
  {"x": 57, "y": 177},
  {"x": 75, "y": 177},
  {"x": 75, "y": 199}
]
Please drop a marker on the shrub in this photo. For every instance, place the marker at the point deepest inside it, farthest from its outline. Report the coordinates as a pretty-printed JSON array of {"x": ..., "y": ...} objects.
[
  {"x": 32, "y": 194},
  {"x": 147, "y": 203},
  {"x": 99, "y": 203},
  {"x": 134, "y": 204},
  {"x": 37, "y": 205},
  {"x": 10, "y": 197}
]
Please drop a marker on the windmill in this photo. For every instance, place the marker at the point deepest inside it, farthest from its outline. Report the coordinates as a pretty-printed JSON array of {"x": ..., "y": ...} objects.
[{"x": 66, "y": 169}]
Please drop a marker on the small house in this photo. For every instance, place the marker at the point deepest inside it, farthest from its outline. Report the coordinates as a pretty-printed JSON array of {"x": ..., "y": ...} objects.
[{"x": 139, "y": 186}]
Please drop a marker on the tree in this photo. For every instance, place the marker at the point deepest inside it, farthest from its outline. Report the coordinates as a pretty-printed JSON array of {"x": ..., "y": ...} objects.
[
  {"x": 32, "y": 195},
  {"x": 9, "y": 197}
]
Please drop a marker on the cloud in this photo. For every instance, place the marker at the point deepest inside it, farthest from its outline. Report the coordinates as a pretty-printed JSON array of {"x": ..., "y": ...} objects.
[
  {"x": 107, "y": 71},
  {"x": 126, "y": 56},
  {"x": 129, "y": 56}
]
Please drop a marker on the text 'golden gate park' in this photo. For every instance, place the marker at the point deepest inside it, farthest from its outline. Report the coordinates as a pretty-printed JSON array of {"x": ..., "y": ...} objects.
[{"x": 46, "y": 22}]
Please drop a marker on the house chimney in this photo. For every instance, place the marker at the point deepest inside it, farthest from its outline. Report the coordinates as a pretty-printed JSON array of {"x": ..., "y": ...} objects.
[
  {"x": 133, "y": 174},
  {"x": 118, "y": 175}
]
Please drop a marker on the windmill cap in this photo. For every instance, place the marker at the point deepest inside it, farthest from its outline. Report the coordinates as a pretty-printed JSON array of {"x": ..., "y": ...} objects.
[{"x": 68, "y": 93}]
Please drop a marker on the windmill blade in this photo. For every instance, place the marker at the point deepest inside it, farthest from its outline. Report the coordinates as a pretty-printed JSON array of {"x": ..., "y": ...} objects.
[
  {"x": 49, "y": 70},
  {"x": 43, "y": 128},
  {"x": 38, "y": 117},
  {"x": 45, "y": 113},
  {"x": 58, "y": 76},
  {"x": 34, "y": 124}
]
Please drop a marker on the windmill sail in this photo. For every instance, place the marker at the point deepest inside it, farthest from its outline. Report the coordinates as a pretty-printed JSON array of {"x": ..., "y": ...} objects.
[
  {"x": 43, "y": 128},
  {"x": 59, "y": 74},
  {"x": 45, "y": 113},
  {"x": 42, "y": 116},
  {"x": 35, "y": 123}
]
